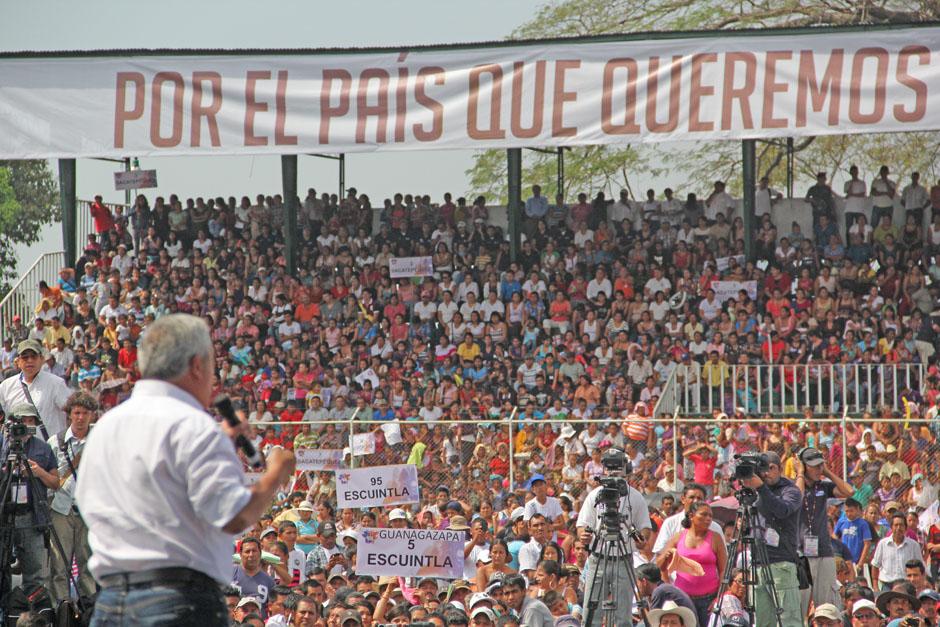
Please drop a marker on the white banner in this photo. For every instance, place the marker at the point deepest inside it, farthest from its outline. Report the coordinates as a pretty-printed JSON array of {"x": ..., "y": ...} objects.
[
  {"x": 363, "y": 444},
  {"x": 729, "y": 289},
  {"x": 135, "y": 179},
  {"x": 377, "y": 486},
  {"x": 318, "y": 459},
  {"x": 407, "y": 267},
  {"x": 410, "y": 553},
  {"x": 726, "y": 86}
]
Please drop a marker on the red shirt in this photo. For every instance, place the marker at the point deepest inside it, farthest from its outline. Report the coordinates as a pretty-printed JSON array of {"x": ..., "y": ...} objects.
[{"x": 103, "y": 218}]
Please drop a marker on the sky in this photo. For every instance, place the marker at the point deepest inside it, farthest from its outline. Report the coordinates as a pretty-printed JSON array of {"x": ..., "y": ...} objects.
[{"x": 97, "y": 24}]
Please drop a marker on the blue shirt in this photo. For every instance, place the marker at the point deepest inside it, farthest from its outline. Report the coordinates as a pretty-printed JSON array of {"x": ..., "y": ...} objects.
[
  {"x": 514, "y": 547},
  {"x": 536, "y": 207},
  {"x": 308, "y": 528},
  {"x": 853, "y": 534}
]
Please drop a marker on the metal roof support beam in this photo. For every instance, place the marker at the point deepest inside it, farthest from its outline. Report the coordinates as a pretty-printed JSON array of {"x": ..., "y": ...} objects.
[{"x": 67, "y": 180}]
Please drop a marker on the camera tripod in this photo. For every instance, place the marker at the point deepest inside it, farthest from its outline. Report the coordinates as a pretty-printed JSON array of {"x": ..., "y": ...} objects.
[
  {"x": 613, "y": 555},
  {"x": 750, "y": 555},
  {"x": 16, "y": 458}
]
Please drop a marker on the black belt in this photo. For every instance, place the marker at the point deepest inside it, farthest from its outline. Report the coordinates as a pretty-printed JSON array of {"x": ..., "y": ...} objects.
[{"x": 157, "y": 577}]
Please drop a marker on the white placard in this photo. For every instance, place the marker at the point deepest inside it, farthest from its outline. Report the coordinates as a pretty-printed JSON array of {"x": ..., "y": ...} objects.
[
  {"x": 363, "y": 443},
  {"x": 410, "y": 553},
  {"x": 729, "y": 289},
  {"x": 318, "y": 459},
  {"x": 727, "y": 86},
  {"x": 377, "y": 486},
  {"x": 392, "y": 432},
  {"x": 407, "y": 267},
  {"x": 135, "y": 179}
]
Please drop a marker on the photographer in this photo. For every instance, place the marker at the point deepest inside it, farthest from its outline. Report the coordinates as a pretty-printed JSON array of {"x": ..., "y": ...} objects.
[
  {"x": 81, "y": 409},
  {"x": 30, "y": 518},
  {"x": 818, "y": 485},
  {"x": 634, "y": 513},
  {"x": 778, "y": 503}
]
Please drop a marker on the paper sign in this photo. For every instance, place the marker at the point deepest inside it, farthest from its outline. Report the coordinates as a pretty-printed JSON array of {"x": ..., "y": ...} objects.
[
  {"x": 135, "y": 179},
  {"x": 729, "y": 289},
  {"x": 363, "y": 444},
  {"x": 410, "y": 553},
  {"x": 377, "y": 486},
  {"x": 392, "y": 432},
  {"x": 405, "y": 267},
  {"x": 318, "y": 459}
]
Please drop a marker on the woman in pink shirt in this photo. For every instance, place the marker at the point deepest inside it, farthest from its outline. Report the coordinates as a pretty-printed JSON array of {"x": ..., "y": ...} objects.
[{"x": 696, "y": 543}]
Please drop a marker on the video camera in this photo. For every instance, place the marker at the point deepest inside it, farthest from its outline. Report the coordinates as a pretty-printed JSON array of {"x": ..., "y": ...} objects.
[
  {"x": 614, "y": 483},
  {"x": 16, "y": 433},
  {"x": 749, "y": 464}
]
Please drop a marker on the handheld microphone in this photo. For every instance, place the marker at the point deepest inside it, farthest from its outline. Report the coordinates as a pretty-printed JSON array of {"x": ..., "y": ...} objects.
[{"x": 224, "y": 405}]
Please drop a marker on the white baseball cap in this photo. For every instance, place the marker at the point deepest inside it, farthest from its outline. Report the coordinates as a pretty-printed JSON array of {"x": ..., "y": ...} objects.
[
  {"x": 484, "y": 611},
  {"x": 397, "y": 514},
  {"x": 478, "y": 597}
]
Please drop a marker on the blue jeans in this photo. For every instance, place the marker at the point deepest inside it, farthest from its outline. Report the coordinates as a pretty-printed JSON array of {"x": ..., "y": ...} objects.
[{"x": 158, "y": 606}]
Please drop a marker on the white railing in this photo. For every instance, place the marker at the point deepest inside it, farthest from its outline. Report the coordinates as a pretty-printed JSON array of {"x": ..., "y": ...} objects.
[
  {"x": 785, "y": 389},
  {"x": 22, "y": 299}
]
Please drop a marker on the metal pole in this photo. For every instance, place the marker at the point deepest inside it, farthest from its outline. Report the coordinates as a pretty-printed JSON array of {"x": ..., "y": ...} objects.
[
  {"x": 512, "y": 459},
  {"x": 289, "y": 183},
  {"x": 675, "y": 447},
  {"x": 561, "y": 171},
  {"x": 789, "y": 168},
  {"x": 67, "y": 181},
  {"x": 514, "y": 206},
  {"x": 352, "y": 426},
  {"x": 342, "y": 176},
  {"x": 749, "y": 172},
  {"x": 845, "y": 455},
  {"x": 127, "y": 192}
]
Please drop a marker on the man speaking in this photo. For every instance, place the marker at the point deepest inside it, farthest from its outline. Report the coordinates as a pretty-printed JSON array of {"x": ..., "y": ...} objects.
[{"x": 163, "y": 492}]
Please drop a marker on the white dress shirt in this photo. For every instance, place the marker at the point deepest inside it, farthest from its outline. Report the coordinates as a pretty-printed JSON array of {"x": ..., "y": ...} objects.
[
  {"x": 891, "y": 557},
  {"x": 49, "y": 393},
  {"x": 158, "y": 481}
]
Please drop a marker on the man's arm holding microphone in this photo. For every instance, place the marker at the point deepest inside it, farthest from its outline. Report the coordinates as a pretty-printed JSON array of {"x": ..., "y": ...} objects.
[{"x": 279, "y": 468}]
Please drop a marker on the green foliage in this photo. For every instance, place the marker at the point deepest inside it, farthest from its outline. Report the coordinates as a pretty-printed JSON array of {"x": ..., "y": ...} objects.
[
  {"x": 701, "y": 163},
  {"x": 28, "y": 201}
]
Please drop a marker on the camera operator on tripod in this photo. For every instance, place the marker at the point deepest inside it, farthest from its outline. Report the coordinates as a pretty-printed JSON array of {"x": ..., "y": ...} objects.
[
  {"x": 594, "y": 526},
  {"x": 818, "y": 485},
  {"x": 28, "y": 470},
  {"x": 778, "y": 504}
]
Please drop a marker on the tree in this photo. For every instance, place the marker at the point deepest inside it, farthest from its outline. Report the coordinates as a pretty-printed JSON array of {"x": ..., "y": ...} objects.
[
  {"x": 29, "y": 200},
  {"x": 904, "y": 152}
]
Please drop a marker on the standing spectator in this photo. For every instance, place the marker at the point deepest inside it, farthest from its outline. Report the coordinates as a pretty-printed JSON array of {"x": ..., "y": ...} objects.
[
  {"x": 915, "y": 199},
  {"x": 883, "y": 191},
  {"x": 893, "y": 552},
  {"x": 820, "y": 198},
  {"x": 536, "y": 208},
  {"x": 104, "y": 220}
]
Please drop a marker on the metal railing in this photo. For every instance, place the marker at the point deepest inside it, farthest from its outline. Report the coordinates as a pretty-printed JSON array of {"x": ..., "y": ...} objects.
[
  {"x": 23, "y": 297},
  {"x": 85, "y": 224},
  {"x": 778, "y": 389}
]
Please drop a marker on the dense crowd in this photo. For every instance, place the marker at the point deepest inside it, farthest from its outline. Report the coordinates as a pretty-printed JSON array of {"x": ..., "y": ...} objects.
[{"x": 605, "y": 301}]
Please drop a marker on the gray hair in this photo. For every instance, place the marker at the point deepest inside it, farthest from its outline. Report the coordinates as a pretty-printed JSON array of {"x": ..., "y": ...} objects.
[{"x": 170, "y": 344}]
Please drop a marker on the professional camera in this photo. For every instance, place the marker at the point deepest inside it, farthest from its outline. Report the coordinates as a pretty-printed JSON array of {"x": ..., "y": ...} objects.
[
  {"x": 17, "y": 432},
  {"x": 749, "y": 464},
  {"x": 613, "y": 486}
]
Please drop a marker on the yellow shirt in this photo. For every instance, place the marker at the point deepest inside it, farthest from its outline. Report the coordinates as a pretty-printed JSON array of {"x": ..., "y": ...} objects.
[
  {"x": 53, "y": 335},
  {"x": 468, "y": 353}
]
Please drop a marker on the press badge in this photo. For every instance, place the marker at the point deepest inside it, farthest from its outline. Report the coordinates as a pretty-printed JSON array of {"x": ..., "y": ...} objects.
[
  {"x": 772, "y": 537},
  {"x": 811, "y": 546},
  {"x": 19, "y": 490}
]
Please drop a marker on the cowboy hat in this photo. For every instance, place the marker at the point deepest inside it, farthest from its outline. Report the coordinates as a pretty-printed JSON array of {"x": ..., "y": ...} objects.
[{"x": 670, "y": 607}]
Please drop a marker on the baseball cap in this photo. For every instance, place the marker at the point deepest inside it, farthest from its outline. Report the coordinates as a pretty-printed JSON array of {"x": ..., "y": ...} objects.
[
  {"x": 24, "y": 409},
  {"x": 891, "y": 448},
  {"x": 350, "y": 615},
  {"x": 865, "y": 604},
  {"x": 425, "y": 580},
  {"x": 812, "y": 457},
  {"x": 533, "y": 479},
  {"x": 567, "y": 620},
  {"x": 327, "y": 529},
  {"x": 892, "y": 505},
  {"x": 397, "y": 514},
  {"x": 478, "y": 597},
  {"x": 517, "y": 513},
  {"x": 249, "y": 600},
  {"x": 827, "y": 610},
  {"x": 483, "y": 611},
  {"x": 348, "y": 533},
  {"x": 29, "y": 345},
  {"x": 268, "y": 530}
]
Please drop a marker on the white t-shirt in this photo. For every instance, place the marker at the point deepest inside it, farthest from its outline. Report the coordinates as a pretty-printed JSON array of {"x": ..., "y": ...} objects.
[{"x": 551, "y": 509}]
